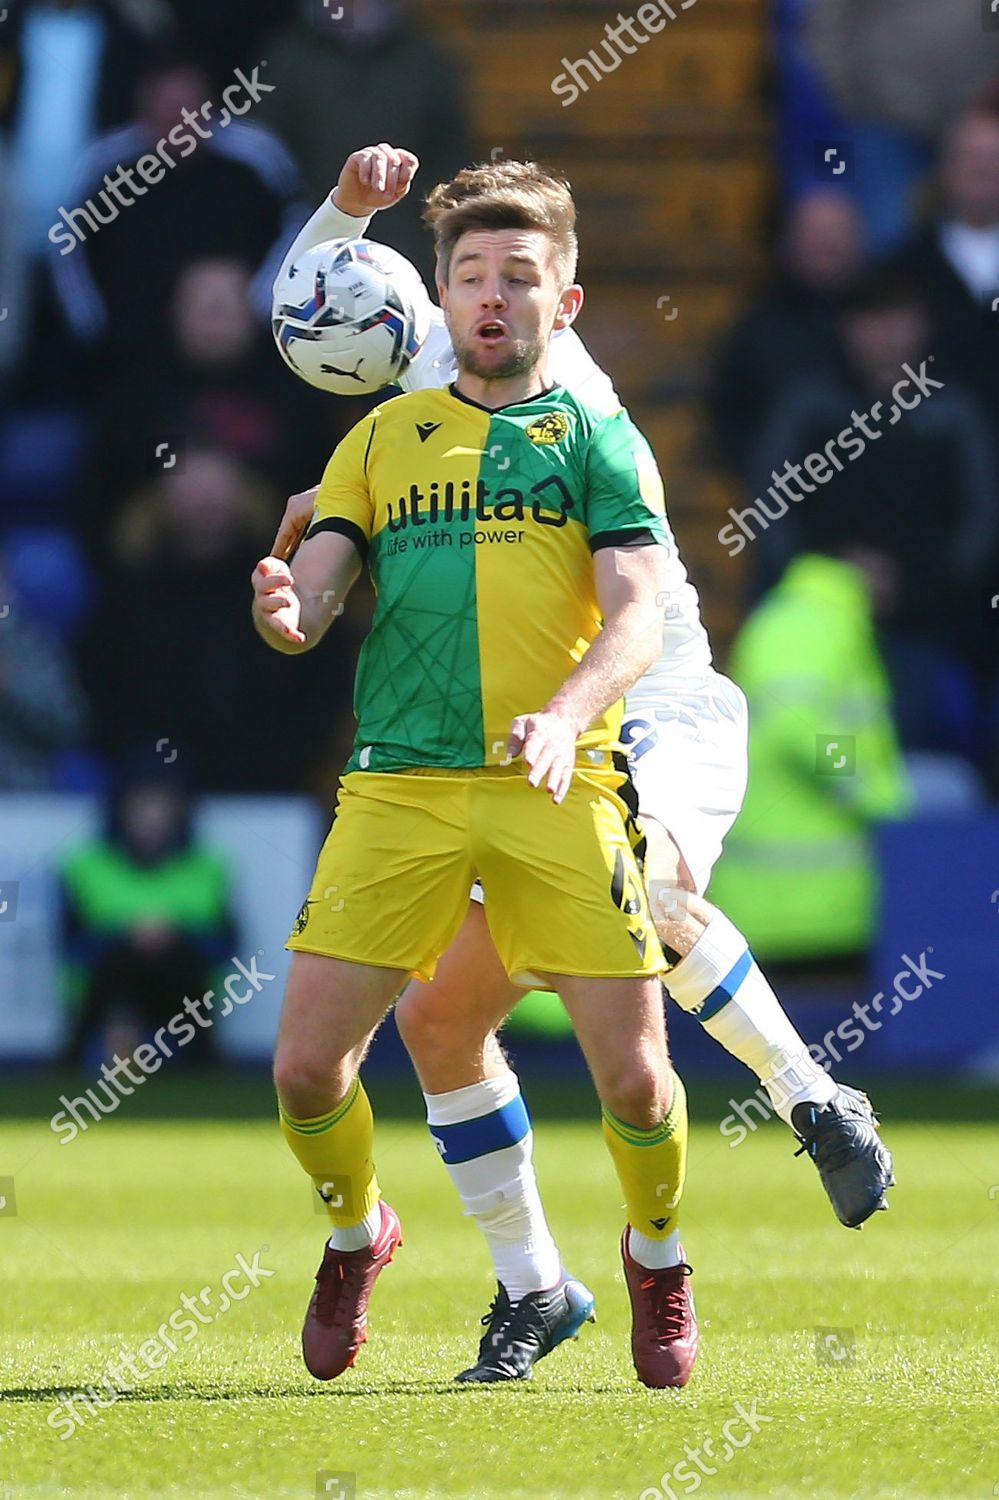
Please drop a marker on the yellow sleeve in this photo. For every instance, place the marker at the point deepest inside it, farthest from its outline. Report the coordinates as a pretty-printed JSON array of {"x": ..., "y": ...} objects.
[{"x": 343, "y": 500}]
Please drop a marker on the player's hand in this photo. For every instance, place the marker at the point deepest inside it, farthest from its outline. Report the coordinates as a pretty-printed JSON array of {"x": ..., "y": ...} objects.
[
  {"x": 275, "y": 598},
  {"x": 548, "y": 745},
  {"x": 374, "y": 177},
  {"x": 294, "y": 523}
]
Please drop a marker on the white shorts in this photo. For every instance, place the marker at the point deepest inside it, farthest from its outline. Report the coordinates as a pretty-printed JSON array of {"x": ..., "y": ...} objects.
[{"x": 689, "y": 761}]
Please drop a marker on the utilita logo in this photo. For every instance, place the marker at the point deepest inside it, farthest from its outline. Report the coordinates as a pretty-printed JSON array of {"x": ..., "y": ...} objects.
[{"x": 548, "y": 502}]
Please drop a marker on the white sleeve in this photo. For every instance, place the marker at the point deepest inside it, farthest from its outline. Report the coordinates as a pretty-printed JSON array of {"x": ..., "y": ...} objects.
[
  {"x": 571, "y": 364},
  {"x": 327, "y": 223},
  {"x": 435, "y": 365}
]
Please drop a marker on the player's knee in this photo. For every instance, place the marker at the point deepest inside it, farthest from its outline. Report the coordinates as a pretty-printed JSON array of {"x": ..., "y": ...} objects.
[
  {"x": 306, "y": 1085},
  {"x": 639, "y": 1091},
  {"x": 423, "y": 1020}
]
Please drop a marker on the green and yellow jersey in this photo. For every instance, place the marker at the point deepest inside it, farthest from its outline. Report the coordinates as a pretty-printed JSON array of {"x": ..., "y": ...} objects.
[{"x": 478, "y": 528}]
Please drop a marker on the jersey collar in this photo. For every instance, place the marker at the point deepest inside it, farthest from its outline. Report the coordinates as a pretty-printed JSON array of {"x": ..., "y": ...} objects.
[{"x": 459, "y": 396}]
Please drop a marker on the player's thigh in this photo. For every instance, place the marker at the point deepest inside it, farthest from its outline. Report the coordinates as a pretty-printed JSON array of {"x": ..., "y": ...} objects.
[
  {"x": 469, "y": 995},
  {"x": 620, "y": 1025},
  {"x": 392, "y": 879},
  {"x": 689, "y": 766},
  {"x": 331, "y": 1010},
  {"x": 680, "y": 915},
  {"x": 564, "y": 891}
]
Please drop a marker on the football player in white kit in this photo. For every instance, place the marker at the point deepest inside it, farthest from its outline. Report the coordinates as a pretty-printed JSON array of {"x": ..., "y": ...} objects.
[{"x": 685, "y": 730}]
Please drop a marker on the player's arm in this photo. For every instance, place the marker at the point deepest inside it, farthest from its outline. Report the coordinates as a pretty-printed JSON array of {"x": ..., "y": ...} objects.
[
  {"x": 629, "y": 539},
  {"x": 294, "y": 604},
  {"x": 629, "y": 585},
  {"x": 373, "y": 178}
]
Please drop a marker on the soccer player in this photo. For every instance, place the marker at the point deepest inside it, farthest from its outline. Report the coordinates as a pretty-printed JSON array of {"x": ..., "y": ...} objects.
[
  {"x": 686, "y": 728},
  {"x": 464, "y": 502}
]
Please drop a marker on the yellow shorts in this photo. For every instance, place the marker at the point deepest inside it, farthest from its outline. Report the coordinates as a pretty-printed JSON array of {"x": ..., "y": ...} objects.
[{"x": 565, "y": 890}]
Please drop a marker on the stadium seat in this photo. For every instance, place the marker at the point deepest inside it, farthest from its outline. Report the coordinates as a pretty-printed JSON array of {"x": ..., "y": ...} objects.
[{"x": 49, "y": 575}]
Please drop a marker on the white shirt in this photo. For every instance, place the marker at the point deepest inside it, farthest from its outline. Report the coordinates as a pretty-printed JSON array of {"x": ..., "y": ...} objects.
[
  {"x": 686, "y": 655},
  {"x": 974, "y": 256}
]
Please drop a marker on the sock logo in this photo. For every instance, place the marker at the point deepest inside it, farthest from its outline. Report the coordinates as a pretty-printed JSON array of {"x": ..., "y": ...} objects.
[{"x": 659, "y": 1224}]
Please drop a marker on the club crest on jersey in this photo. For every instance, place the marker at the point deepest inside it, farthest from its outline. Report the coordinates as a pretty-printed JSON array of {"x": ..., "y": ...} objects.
[{"x": 551, "y": 428}]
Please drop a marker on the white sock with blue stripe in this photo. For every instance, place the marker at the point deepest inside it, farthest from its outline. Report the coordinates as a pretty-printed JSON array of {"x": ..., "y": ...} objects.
[
  {"x": 483, "y": 1133},
  {"x": 720, "y": 983}
]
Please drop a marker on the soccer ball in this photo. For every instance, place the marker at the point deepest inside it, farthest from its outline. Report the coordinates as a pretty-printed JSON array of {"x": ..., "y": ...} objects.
[{"x": 350, "y": 315}]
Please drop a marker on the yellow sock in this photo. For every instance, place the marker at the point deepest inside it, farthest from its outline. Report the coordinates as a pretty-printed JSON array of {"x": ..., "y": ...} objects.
[
  {"x": 651, "y": 1165},
  {"x": 336, "y": 1151}
]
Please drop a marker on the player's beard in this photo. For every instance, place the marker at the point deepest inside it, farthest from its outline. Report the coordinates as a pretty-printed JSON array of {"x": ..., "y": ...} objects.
[{"x": 524, "y": 356}]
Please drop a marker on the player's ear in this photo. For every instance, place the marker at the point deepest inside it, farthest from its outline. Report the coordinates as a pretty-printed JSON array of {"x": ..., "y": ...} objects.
[
  {"x": 570, "y": 302},
  {"x": 440, "y": 278}
]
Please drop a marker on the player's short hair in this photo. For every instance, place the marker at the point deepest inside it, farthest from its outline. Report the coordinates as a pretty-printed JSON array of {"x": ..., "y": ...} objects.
[{"x": 504, "y": 195}]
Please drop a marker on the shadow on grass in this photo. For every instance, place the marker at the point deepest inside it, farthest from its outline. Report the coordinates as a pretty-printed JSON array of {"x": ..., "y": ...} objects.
[{"x": 185, "y": 1391}]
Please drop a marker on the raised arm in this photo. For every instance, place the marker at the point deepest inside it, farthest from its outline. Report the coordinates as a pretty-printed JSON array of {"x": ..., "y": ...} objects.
[{"x": 373, "y": 178}]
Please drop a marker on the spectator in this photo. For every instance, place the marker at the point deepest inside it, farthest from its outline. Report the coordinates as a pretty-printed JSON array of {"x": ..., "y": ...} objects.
[
  {"x": 791, "y": 331},
  {"x": 230, "y": 190},
  {"x": 901, "y": 71},
  {"x": 219, "y": 383},
  {"x": 146, "y": 916},
  {"x": 955, "y": 255},
  {"x": 171, "y": 653},
  {"x": 798, "y": 873},
  {"x": 371, "y": 75},
  {"x": 922, "y": 493},
  {"x": 42, "y": 709},
  {"x": 66, "y": 71}
]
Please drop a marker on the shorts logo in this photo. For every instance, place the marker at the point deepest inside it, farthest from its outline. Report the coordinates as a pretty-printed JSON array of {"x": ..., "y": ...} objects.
[
  {"x": 551, "y": 428},
  {"x": 630, "y": 902}
]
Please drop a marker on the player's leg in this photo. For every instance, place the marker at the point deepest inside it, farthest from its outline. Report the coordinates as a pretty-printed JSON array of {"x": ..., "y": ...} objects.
[
  {"x": 331, "y": 1012},
  {"x": 566, "y": 901},
  {"x": 480, "y": 1125},
  {"x": 689, "y": 769},
  {"x": 714, "y": 977},
  {"x": 378, "y": 910},
  {"x": 621, "y": 1028}
]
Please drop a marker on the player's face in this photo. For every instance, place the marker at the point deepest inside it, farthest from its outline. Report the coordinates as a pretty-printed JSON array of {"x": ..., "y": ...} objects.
[{"x": 503, "y": 300}]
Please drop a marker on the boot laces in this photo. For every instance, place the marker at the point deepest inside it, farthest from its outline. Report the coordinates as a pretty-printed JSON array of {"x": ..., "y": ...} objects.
[{"x": 666, "y": 1296}]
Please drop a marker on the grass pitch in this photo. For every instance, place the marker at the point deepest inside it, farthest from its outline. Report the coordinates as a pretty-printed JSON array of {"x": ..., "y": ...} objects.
[{"x": 869, "y": 1361}]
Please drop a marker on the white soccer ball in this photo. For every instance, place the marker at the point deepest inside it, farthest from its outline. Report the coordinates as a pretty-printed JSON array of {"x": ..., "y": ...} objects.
[{"x": 350, "y": 315}]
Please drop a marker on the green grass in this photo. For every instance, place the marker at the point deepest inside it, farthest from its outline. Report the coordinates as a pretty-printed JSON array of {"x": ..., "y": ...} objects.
[{"x": 111, "y": 1229}]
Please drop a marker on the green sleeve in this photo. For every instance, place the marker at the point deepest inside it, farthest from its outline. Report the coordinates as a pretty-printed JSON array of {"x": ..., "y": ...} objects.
[{"x": 625, "y": 500}]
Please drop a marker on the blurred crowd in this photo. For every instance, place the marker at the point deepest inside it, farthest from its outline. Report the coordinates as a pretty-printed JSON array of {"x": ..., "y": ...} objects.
[
  {"x": 886, "y": 268},
  {"x": 149, "y": 435}
]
